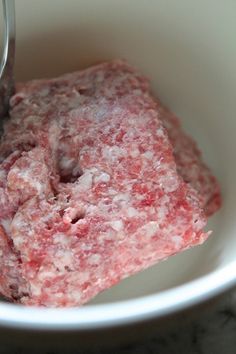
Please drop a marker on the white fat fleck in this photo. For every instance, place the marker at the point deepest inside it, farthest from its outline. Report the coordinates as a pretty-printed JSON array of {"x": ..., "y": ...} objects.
[
  {"x": 148, "y": 155},
  {"x": 45, "y": 274},
  {"x": 94, "y": 258},
  {"x": 83, "y": 276},
  {"x": 112, "y": 153},
  {"x": 92, "y": 170},
  {"x": 156, "y": 165},
  {"x": 139, "y": 196},
  {"x": 18, "y": 240},
  {"x": 38, "y": 186},
  {"x": 53, "y": 134},
  {"x": 103, "y": 177},
  {"x": 177, "y": 240},
  {"x": 162, "y": 212},
  {"x": 101, "y": 112},
  {"x": 121, "y": 197},
  {"x": 85, "y": 247},
  {"x": 117, "y": 225},
  {"x": 160, "y": 132},
  {"x": 61, "y": 239},
  {"x": 66, "y": 163},
  {"x": 47, "y": 217},
  {"x": 134, "y": 153},
  {"x": 131, "y": 212},
  {"x": 1, "y": 253},
  {"x": 58, "y": 295},
  {"x": 31, "y": 119},
  {"x": 6, "y": 223},
  {"x": 112, "y": 191},
  {"x": 74, "y": 295},
  {"x": 86, "y": 180},
  {"x": 170, "y": 184},
  {"x": 107, "y": 236},
  {"x": 150, "y": 229},
  {"x": 63, "y": 258},
  {"x": 36, "y": 290},
  {"x": 117, "y": 110},
  {"x": 24, "y": 174}
]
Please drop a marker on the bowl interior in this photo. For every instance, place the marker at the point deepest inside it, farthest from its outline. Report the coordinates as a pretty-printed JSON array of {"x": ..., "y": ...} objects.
[{"x": 188, "y": 50}]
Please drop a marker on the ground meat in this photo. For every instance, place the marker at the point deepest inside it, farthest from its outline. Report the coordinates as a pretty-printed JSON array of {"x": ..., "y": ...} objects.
[
  {"x": 190, "y": 164},
  {"x": 92, "y": 189},
  {"x": 12, "y": 284}
]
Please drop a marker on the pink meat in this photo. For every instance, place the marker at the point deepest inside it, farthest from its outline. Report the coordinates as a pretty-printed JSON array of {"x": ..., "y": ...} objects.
[
  {"x": 12, "y": 284},
  {"x": 190, "y": 164},
  {"x": 92, "y": 194}
]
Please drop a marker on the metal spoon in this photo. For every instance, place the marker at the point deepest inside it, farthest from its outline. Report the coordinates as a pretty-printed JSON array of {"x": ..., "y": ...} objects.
[{"x": 7, "y": 62}]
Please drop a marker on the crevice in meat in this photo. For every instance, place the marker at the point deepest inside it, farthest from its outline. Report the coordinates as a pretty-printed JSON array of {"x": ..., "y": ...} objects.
[
  {"x": 70, "y": 177},
  {"x": 78, "y": 217}
]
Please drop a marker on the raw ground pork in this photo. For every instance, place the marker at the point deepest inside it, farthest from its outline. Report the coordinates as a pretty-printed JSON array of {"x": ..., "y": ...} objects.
[{"x": 91, "y": 189}]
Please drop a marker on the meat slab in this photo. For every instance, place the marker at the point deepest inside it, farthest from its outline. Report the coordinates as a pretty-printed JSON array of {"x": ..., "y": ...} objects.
[{"x": 91, "y": 188}]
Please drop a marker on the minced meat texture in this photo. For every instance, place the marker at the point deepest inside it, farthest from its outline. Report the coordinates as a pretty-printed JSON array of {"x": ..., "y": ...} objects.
[
  {"x": 189, "y": 163},
  {"x": 90, "y": 190}
]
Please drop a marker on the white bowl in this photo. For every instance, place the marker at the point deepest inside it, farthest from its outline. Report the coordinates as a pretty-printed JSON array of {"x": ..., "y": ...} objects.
[{"x": 188, "y": 49}]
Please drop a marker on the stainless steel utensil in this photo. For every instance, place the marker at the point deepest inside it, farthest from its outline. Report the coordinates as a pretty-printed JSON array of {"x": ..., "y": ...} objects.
[{"x": 8, "y": 56}]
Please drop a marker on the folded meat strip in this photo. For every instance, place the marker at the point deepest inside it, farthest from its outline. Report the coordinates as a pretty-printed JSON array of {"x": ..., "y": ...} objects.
[{"x": 90, "y": 190}]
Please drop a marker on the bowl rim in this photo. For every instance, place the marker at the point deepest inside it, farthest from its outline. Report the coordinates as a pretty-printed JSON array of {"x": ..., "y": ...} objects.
[{"x": 126, "y": 312}]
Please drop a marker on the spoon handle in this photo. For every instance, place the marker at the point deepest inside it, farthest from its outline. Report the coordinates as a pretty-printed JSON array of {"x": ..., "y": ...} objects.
[{"x": 7, "y": 62}]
